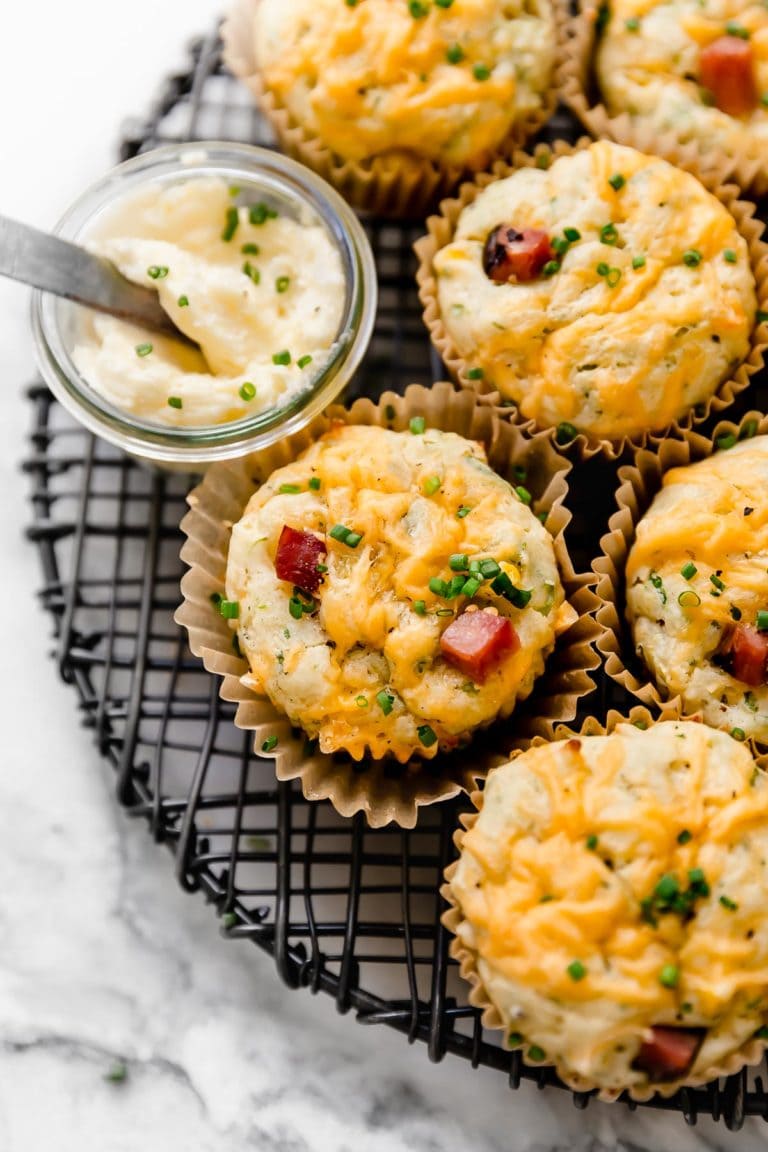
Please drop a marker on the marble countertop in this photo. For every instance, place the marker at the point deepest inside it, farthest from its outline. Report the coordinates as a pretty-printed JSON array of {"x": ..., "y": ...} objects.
[{"x": 127, "y": 1024}]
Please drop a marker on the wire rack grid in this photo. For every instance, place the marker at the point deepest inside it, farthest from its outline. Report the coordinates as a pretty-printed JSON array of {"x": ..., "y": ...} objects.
[{"x": 344, "y": 909}]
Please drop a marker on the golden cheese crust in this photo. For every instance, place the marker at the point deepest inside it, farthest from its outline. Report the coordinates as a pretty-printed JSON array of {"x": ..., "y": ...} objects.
[
  {"x": 362, "y": 669},
  {"x": 376, "y": 78},
  {"x": 650, "y": 309},
  {"x": 616, "y": 883},
  {"x": 648, "y": 63},
  {"x": 712, "y": 517}
]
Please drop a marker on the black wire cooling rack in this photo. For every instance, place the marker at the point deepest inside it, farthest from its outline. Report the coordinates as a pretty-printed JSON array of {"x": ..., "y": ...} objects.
[{"x": 342, "y": 908}]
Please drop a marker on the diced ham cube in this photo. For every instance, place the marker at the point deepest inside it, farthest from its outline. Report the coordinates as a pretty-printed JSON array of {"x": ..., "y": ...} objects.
[
  {"x": 475, "y": 642},
  {"x": 726, "y": 69},
  {"x": 297, "y": 557},
  {"x": 512, "y": 255},
  {"x": 748, "y": 650},
  {"x": 669, "y": 1053}
]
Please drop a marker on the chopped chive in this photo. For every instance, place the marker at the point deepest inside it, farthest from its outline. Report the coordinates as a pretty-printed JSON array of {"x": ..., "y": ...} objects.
[
  {"x": 353, "y": 539},
  {"x": 617, "y": 181},
  {"x": 247, "y": 390},
  {"x": 230, "y": 227},
  {"x": 385, "y": 701},
  {"x": 536, "y": 1053},
  {"x": 572, "y": 234},
  {"x": 715, "y": 579},
  {"x": 463, "y": 511},
  {"x": 458, "y": 562},
  {"x": 733, "y": 28},
  {"x": 157, "y": 272},
  {"x": 729, "y": 256},
  {"x": 229, "y": 609},
  {"x": 175, "y": 402},
  {"x": 475, "y": 374},
  {"x": 684, "y": 836},
  {"x": 420, "y": 608},
  {"x": 295, "y": 608},
  {"x": 443, "y": 3},
  {"x": 417, "y": 9},
  {"x": 269, "y": 744},
  {"x": 566, "y": 432},
  {"x": 143, "y": 349},
  {"x": 471, "y": 586},
  {"x": 260, "y": 213},
  {"x": 444, "y": 612},
  {"x": 576, "y": 970},
  {"x": 632, "y": 24},
  {"x": 426, "y": 735},
  {"x": 692, "y": 258},
  {"x": 289, "y": 489},
  {"x": 303, "y": 361},
  {"x": 726, "y": 902},
  {"x": 437, "y": 586},
  {"x": 609, "y": 234},
  {"x": 321, "y": 568},
  {"x": 282, "y": 284},
  {"x": 361, "y": 701},
  {"x": 283, "y": 357},
  {"x": 454, "y": 54},
  {"x": 117, "y": 1073},
  {"x": 431, "y": 485},
  {"x": 314, "y": 483},
  {"x": 250, "y": 249},
  {"x": 638, "y": 262},
  {"x": 339, "y": 532},
  {"x": 592, "y": 842},
  {"x": 481, "y": 72},
  {"x": 689, "y": 570},
  {"x": 252, "y": 272},
  {"x": 761, "y": 317},
  {"x": 669, "y": 976},
  {"x": 726, "y": 441},
  {"x": 417, "y": 425},
  {"x": 550, "y": 268},
  {"x": 560, "y": 245},
  {"x": 455, "y": 587},
  {"x": 613, "y": 277},
  {"x": 738, "y": 734},
  {"x": 689, "y": 599},
  {"x": 516, "y": 1038},
  {"x": 602, "y": 268},
  {"x": 183, "y": 301},
  {"x": 749, "y": 430},
  {"x": 489, "y": 568}
]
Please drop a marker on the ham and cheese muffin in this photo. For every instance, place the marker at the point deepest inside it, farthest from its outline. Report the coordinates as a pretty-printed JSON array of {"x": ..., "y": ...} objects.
[
  {"x": 606, "y": 295},
  {"x": 445, "y": 81},
  {"x": 391, "y": 592},
  {"x": 697, "y": 68},
  {"x": 612, "y": 900},
  {"x": 697, "y": 588}
]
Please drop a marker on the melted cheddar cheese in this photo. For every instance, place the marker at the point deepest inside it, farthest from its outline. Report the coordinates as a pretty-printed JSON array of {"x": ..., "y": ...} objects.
[
  {"x": 712, "y": 515},
  {"x": 649, "y": 69},
  {"x": 401, "y": 492},
  {"x": 557, "y": 886},
  {"x": 638, "y": 324},
  {"x": 374, "y": 78}
]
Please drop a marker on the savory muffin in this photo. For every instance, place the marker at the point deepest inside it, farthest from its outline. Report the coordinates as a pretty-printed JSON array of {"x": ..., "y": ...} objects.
[
  {"x": 608, "y": 293},
  {"x": 612, "y": 903},
  {"x": 442, "y": 80},
  {"x": 391, "y": 593},
  {"x": 697, "y": 587},
  {"x": 696, "y": 68}
]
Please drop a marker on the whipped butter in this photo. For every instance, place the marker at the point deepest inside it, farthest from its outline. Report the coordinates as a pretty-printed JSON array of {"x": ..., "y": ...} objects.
[{"x": 262, "y": 294}]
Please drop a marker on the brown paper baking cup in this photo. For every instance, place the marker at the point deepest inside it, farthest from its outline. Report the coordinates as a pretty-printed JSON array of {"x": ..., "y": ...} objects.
[
  {"x": 383, "y": 789},
  {"x": 466, "y": 957},
  {"x": 400, "y": 185},
  {"x": 441, "y": 229},
  {"x": 581, "y": 92},
  {"x": 639, "y": 483}
]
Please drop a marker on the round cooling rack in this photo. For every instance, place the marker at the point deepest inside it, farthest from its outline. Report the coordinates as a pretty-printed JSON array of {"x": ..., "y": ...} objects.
[{"x": 342, "y": 908}]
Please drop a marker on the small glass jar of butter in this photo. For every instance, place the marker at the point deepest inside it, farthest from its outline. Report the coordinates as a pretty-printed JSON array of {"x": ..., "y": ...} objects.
[{"x": 254, "y": 258}]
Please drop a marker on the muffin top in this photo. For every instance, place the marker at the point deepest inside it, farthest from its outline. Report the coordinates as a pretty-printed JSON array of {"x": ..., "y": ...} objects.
[
  {"x": 697, "y": 587},
  {"x": 612, "y": 889},
  {"x": 447, "y": 81},
  {"x": 610, "y": 292},
  {"x": 393, "y": 592},
  {"x": 697, "y": 68}
]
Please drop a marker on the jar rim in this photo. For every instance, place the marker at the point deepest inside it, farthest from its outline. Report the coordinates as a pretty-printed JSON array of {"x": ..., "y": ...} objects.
[{"x": 280, "y": 178}]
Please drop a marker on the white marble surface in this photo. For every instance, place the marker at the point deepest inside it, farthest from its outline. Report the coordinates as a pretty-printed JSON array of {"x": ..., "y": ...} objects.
[{"x": 105, "y": 964}]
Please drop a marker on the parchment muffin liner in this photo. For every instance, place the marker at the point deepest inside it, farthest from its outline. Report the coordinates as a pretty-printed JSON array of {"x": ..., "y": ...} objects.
[
  {"x": 383, "y": 789},
  {"x": 402, "y": 185},
  {"x": 639, "y": 482},
  {"x": 581, "y": 92},
  {"x": 441, "y": 229},
  {"x": 452, "y": 919}
]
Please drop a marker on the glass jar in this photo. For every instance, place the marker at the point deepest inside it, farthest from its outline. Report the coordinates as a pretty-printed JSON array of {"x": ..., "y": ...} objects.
[{"x": 260, "y": 176}]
